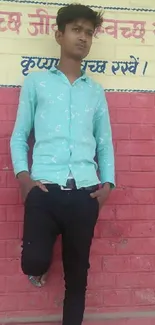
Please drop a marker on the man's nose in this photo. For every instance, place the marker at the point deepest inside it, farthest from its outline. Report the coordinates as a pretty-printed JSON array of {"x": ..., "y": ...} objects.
[{"x": 83, "y": 37}]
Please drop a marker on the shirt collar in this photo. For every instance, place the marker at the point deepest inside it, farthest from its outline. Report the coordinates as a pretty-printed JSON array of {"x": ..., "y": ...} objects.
[{"x": 83, "y": 74}]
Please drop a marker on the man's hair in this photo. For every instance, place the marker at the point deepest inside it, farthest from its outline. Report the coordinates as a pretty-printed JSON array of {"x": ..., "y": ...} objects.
[{"x": 73, "y": 12}]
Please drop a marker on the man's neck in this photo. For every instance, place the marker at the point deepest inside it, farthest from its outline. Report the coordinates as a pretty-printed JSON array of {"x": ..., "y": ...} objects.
[{"x": 71, "y": 68}]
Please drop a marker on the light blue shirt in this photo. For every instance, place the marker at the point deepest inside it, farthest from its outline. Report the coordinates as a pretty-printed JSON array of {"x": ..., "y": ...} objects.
[{"x": 71, "y": 126}]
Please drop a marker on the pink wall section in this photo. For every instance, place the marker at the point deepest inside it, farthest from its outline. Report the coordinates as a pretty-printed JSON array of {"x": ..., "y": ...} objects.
[{"x": 122, "y": 276}]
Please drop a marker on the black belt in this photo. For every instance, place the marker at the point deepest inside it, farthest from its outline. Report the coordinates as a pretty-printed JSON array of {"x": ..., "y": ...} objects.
[{"x": 71, "y": 185}]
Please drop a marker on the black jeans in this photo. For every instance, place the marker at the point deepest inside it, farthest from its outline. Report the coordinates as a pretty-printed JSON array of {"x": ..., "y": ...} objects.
[{"x": 73, "y": 214}]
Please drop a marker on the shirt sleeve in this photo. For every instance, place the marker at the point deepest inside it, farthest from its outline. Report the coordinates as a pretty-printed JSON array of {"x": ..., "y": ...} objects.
[
  {"x": 104, "y": 144},
  {"x": 23, "y": 126}
]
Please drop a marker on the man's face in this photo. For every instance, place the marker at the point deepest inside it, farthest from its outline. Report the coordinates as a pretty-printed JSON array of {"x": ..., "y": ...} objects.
[{"x": 76, "y": 41}]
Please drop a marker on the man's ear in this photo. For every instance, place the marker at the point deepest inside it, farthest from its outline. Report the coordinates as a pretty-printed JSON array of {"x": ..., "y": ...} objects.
[{"x": 58, "y": 37}]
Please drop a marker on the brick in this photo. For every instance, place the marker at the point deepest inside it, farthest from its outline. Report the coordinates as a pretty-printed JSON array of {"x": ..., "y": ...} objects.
[
  {"x": 135, "y": 116},
  {"x": 103, "y": 247},
  {"x": 9, "y": 96},
  {"x": 114, "y": 146},
  {"x": 2, "y": 213},
  {"x": 117, "y": 297},
  {"x": 57, "y": 267},
  {"x": 14, "y": 213},
  {"x": 3, "y": 176},
  {"x": 94, "y": 298},
  {"x": 8, "y": 112},
  {"x": 2, "y": 249},
  {"x": 133, "y": 212},
  {"x": 20, "y": 200},
  {"x": 142, "y": 100},
  {"x": 12, "y": 112},
  {"x": 120, "y": 196},
  {"x": 136, "y": 179},
  {"x": 20, "y": 230},
  {"x": 122, "y": 163},
  {"x": 112, "y": 229},
  {"x": 55, "y": 323},
  {"x": 144, "y": 297},
  {"x": 95, "y": 263},
  {"x": 132, "y": 196},
  {"x": 135, "y": 246},
  {"x": 111, "y": 99},
  {"x": 142, "y": 164},
  {"x": 9, "y": 302},
  {"x": 135, "y": 280},
  {"x": 8, "y": 230},
  {"x": 11, "y": 180},
  {"x": 9, "y": 266},
  {"x": 2, "y": 283},
  {"x": 142, "y": 196},
  {"x": 34, "y": 301},
  {"x": 13, "y": 248},
  {"x": 5, "y": 162},
  {"x": 113, "y": 117},
  {"x": 116, "y": 264},
  {"x": 122, "y": 100},
  {"x": 143, "y": 263},
  {"x": 6, "y": 128},
  {"x": 125, "y": 321},
  {"x": 107, "y": 213},
  {"x": 135, "y": 148},
  {"x": 142, "y": 132},
  {"x": 18, "y": 283},
  {"x": 3, "y": 146},
  {"x": 121, "y": 131},
  {"x": 101, "y": 280},
  {"x": 9, "y": 196},
  {"x": 118, "y": 100},
  {"x": 142, "y": 229}
]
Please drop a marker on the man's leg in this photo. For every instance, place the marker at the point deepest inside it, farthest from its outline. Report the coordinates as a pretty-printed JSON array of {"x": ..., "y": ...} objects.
[
  {"x": 77, "y": 236},
  {"x": 39, "y": 233}
]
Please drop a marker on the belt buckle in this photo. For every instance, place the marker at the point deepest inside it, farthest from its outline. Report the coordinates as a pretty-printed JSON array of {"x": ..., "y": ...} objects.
[{"x": 65, "y": 188}]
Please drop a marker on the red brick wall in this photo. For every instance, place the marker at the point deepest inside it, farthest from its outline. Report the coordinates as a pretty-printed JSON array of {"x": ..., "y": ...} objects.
[{"x": 122, "y": 276}]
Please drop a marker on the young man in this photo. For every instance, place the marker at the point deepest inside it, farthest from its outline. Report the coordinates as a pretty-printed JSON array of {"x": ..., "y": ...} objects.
[{"x": 69, "y": 114}]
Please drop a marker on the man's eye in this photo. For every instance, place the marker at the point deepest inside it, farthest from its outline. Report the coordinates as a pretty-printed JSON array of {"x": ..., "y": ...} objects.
[
  {"x": 76, "y": 29},
  {"x": 90, "y": 34}
]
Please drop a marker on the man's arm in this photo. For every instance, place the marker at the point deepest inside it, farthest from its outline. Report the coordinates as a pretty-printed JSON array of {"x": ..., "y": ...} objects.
[
  {"x": 104, "y": 145},
  {"x": 23, "y": 126}
]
